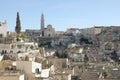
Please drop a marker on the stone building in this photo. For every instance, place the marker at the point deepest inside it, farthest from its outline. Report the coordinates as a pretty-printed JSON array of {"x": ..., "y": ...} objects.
[
  {"x": 12, "y": 76},
  {"x": 3, "y": 29},
  {"x": 63, "y": 76},
  {"x": 92, "y": 31},
  {"x": 18, "y": 47},
  {"x": 46, "y": 32},
  {"x": 49, "y": 31},
  {"x": 32, "y": 35},
  {"x": 43, "y": 32}
]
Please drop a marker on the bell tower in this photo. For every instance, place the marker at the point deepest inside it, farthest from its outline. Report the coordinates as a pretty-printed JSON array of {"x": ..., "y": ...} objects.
[{"x": 42, "y": 25}]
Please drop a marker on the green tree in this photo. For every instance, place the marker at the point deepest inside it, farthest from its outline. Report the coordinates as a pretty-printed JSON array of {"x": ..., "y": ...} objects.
[{"x": 18, "y": 25}]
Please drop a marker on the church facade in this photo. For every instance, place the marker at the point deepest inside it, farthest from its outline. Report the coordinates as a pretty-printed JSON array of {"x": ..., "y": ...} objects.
[
  {"x": 44, "y": 32},
  {"x": 49, "y": 31}
]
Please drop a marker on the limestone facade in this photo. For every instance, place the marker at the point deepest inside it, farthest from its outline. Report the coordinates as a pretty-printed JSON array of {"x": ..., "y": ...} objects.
[
  {"x": 3, "y": 29},
  {"x": 49, "y": 31}
]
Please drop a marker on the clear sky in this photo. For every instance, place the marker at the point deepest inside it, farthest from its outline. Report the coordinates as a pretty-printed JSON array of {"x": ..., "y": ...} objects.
[{"x": 62, "y": 14}]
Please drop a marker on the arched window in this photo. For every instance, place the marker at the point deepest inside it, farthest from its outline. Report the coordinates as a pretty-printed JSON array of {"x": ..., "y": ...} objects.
[{"x": 49, "y": 35}]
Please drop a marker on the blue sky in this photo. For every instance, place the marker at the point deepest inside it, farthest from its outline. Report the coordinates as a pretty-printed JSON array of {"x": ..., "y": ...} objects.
[{"x": 62, "y": 14}]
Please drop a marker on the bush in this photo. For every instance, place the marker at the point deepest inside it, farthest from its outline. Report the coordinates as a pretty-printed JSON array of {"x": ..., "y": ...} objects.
[{"x": 85, "y": 40}]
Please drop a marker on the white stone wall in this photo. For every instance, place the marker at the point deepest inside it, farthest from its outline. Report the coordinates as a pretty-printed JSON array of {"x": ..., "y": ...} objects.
[
  {"x": 22, "y": 47},
  {"x": 5, "y": 47},
  {"x": 91, "y": 31},
  {"x": 97, "y": 30},
  {"x": 72, "y": 45},
  {"x": 69, "y": 77},
  {"x": 21, "y": 56},
  {"x": 26, "y": 66},
  {"x": 21, "y": 77},
  {"x": 87, "y": 31},
  {"x": 76, "y": 33},
  {"x": 1, "y": 57},
  {"x": 36, "y": 65},
  {"x": 50, "y": 53},
  {"x": 3, "y": 28},
  {"x": 45, "y": 73}
]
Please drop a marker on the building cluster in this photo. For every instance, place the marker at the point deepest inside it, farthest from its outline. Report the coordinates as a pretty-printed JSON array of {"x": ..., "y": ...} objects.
[
  {"x": 48, "y": 31},
  {"x": 25, "y": 61},
  {"x": 45, "y": 54},
  {"x": 3, "y": 29}
]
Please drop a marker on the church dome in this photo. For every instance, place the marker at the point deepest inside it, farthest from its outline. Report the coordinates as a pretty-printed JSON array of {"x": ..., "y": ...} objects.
[{"x": 49, "y": 26}]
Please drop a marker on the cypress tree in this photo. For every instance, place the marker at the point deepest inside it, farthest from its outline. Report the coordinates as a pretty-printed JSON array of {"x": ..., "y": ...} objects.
[{"x": 18, "y": 25}]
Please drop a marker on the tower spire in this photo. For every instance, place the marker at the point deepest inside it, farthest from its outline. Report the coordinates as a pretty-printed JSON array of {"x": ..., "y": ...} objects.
[{"x": 42, "y": 24}]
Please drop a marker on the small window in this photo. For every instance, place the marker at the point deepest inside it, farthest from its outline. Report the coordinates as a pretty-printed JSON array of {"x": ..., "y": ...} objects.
[{"x": 37, "y": 70}]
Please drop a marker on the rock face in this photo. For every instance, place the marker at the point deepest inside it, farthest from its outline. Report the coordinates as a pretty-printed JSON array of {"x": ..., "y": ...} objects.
[{"x": 110, "y": 34}]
